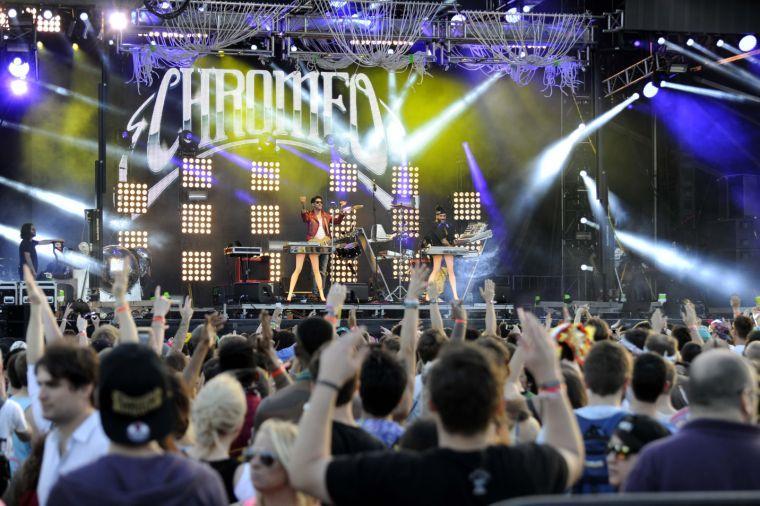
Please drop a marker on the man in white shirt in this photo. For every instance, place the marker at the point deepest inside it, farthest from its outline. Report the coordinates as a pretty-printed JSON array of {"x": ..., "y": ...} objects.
[{"x": 66, "y": 377}]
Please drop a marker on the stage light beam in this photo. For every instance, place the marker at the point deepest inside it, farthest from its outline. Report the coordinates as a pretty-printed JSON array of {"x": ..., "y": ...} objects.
[
  {"x": 709, "y": 92},
  {"x": 650, "y": 90},
  {"x": 748, "y": 43}
]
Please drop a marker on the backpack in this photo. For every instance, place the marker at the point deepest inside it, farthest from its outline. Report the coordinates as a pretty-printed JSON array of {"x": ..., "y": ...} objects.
[{"x": 596, "y": 435}]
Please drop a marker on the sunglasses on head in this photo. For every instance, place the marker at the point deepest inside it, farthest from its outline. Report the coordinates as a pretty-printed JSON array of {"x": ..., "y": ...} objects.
[
  {"x": 621, "y": 451},
  {"x": 266, "y": 458}
]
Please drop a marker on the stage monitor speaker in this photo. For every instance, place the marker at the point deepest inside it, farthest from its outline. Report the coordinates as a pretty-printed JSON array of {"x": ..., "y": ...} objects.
[
  {"x": 303, "y": 285},
  {"x": 255, "y": 293},
  {"x": 357, "y": 292},
  {"x": 9, "y": 292}
]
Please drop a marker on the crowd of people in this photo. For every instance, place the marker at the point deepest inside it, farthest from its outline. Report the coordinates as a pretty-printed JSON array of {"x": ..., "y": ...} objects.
[{"x": 327, "y": 413}]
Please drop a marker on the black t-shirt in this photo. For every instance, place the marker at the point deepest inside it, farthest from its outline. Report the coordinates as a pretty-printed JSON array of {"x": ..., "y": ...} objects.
[
  {"x": 443, "y": 476},
  {"x": 347, "y": 440},
  {"x": 226, "y": 469},
  {"x": 440, "y": 232},
  {"x": 27, "y": 246}
]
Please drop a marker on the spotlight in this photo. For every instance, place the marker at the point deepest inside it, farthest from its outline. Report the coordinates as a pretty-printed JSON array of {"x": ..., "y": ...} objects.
[
  {"x": 720, "y": 43},
  {"x": 581, "y": 126},
  {"x": 40, "y": 45},
  {"x": 458, "y": 18},
  {"x": 47, "y": 14},
  {"x": 636, "y": 96},
  {"x": 84, "y": 16},
  {"x": 748, "y": 43},
  {"x": 118, "y": 21},
  {"x": 75, "y": 46},
  {"x": 526, "y": 8},
  {"x": 650, "y": 90},
  {"x": 583, "y": 173},
  {"x": 661, "y": 41},
  {"x": 254, "y": 47},
  {"x": 188, "y": 144},
  {"x": 19, "y": 68},
  {"x": 587, "y": 268},
  {"x": 512, "y": 15},
  {"x": 690, "y": 42},
  {"x": 584, "y": 221},
  {"x": 19, "y": 87},
  {"x": 12, "y": 13}
]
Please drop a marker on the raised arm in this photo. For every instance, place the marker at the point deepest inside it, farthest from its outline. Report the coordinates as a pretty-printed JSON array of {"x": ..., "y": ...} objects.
[
  {"x": 205, "y": 343},
  {"x": 265, "y": 346},
  {"x": 560, "y": 425},
  {"x": 488, "y": 292},
  {"x": 64, "y": 318},
  {"x": 692, "y": 322},
  {"x": 436, "y": 321},
  {"x": 127, "y": 327},
  {"x": 186, "y": 312},
  {"x": 161, "y": 306},
  {"x": 407, "y": 352},
  {"x": 311, "y": 452},
  {"x": 336, "y": 297},
  {"x": 304, "y": 212},
  {"x": 35, "y": 341},
  {"x": 460, "y": 321},
  {"x": 736, "y": 305},
  {"x": 49, "y": 323}
]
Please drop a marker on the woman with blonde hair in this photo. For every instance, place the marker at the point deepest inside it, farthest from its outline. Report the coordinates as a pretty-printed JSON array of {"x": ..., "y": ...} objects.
[
  {"x": 217, "y": 417},
  {"x": 267, "y": 471}
]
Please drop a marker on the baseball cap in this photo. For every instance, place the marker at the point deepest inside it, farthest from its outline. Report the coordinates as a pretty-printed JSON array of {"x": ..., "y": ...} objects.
[
  {"x": 637, "y": 430},
  {"x": 135, "y": 396}
]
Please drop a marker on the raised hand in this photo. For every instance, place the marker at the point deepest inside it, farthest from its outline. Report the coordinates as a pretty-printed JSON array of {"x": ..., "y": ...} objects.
[
  {"x": 689, "y": 315},
  {"x": 120, "y": 282},
  {"x": 33, "y": 292},
  {"x": 95, "y": 320},
  {"x": 488, "y": 292},
  {"x": 658, "y": 321},
  {"x": 352, "y": 318},
  {"x": 417, "y": 282},
  {"x": 458, "y": 311},
  {"x": 343, "y": 357},
  {"x": 161, "y": 304},
  {"x": 81, "y": 324},
  {"x": 302, "y": 199},
  {"x": 336, "y": 297},
  {"x": 186, "y": 311},
  {"x": 67, "y": 311},
  {"x": 432, "y": 290},
  {"x": 548, "y": 319},
  {"x": 539, "y": 352},
  {"x": 214, "y": 323},
  {"x": 385, "y": 332}
]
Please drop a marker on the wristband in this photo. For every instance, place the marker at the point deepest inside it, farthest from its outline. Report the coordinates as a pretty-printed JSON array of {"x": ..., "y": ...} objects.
[
  {"x": 328, "y": 384},
  {"x": 280, "y": 370},
  {"x": 459, "y": 320},
  {"x": 122, "y": 309},
  {"x": 693, "y": 327},
  {"x": 411, "y": 304},
  {"x": 159, "y": 319},
  {"x": 550, "y": 385},
  {"x": 550, "y": 390},
  {"x": 331, "y": 318}
]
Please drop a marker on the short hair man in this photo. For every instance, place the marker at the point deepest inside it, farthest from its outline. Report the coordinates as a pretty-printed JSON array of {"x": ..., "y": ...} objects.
[
  {"x": 651, "y": 383},
  {"x": 382, "y": 383},
  {"x": 606, "y": 372},
  {"x": 741, "y": 328},
  {"x": 719, "y": 447},
  {"x": 287, "y": 404},
  {"x": 464, "y": 397},
  {"x": 137, "y": 411},
  {"x": 66, "y": 376},
  {"x": 428, "y": 346}
]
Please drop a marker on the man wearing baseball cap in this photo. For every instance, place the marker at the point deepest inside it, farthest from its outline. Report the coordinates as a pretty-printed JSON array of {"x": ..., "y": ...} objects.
[{"x": 136, "y": 412}]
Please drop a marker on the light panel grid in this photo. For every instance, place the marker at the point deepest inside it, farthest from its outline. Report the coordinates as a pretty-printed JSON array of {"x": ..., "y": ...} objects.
[
  {"x": 406, "y": 221},
  {"x": 343, "y": 177},
  {"x": 467, "y": 206},
  {"x": 265, "y": 176},
  {"x": 131, "y": 198},
  {"x": 265, "y": 219},
  {"x": 133, "y": 238},
  {"x": 344, "y": 270},
  {"x": 347, "y": 225},
  {"x": 405, "y": 266},
  {"x": 197, "y": 173},
  {"x": 196, "y": 218},
  {"x": 196, "y": 266},
  {"x": 275, "y": 266},
  {"x": 52, "y": 25},
  {"x": 405, "y": 181}
]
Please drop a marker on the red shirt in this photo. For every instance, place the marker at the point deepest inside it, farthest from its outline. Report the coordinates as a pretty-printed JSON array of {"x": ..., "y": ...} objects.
[
  {"x": 312, "y": 224},
  {"x": 252, "y": 400}
]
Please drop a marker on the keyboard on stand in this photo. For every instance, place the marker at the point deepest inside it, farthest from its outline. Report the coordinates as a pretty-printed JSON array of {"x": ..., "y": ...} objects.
[
  {"x": 308, "y": 248},
  {"x": 456, "y": 251},
  {"x": 242, "y": 251}
]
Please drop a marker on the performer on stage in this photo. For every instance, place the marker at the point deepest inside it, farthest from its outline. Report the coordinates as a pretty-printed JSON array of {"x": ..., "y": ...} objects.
[
  {"x": 27, "y": 253},
  {"x": 317, "y": 231},
  {"x": 442, "y": 235}
]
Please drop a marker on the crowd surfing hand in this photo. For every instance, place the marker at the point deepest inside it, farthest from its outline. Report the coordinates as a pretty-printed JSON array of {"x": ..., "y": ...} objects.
[
  {"x": 488, "y": 292},
  {"x": 538, "y": 350}
]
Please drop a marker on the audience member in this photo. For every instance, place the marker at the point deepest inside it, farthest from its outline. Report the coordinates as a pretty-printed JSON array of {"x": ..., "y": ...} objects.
[
  {"x": 632, "y": 434},
  {"x": 650, "y": 388},
  {"x": 721, "y": 442},
  {"x": 382, "y": 382},
  {"x": 740, "y": 330}
]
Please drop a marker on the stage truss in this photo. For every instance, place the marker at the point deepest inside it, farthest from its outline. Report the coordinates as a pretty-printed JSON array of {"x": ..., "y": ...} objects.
[{"x": 393, "y": 34}]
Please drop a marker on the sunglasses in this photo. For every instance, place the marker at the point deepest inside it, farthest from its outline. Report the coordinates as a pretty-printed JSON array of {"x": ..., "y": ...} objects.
[
  {"x": 621, "y": 451},
  {"x": 317, "y": 201},
  {"x": 266, "y": 458}
]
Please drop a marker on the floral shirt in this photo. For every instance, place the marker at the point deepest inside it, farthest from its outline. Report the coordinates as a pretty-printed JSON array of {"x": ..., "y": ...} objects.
[{"x": 387, "y": 431}]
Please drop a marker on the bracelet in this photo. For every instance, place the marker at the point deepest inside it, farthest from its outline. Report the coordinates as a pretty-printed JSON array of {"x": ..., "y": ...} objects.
[
  {"x": 411, "y": 304},
  {"x": 82, "y": 333},
  {"x": 328, "y": 384},
  {"x": 159, "y": 319},
  {"x": 550, "y": 385},
  {"x": 280, "y": 370},
  {"x": 331, "y": 318},
  {"x": 459, "y": 320},
  {"x": 551, "y": 390},
  {"x": 122, "y": 309}
]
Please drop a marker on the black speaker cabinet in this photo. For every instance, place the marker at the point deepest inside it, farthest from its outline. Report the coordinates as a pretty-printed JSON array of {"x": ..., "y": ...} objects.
[
  {"x": 254, "y": 293},
  {"x": 357, "y": 292}
]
